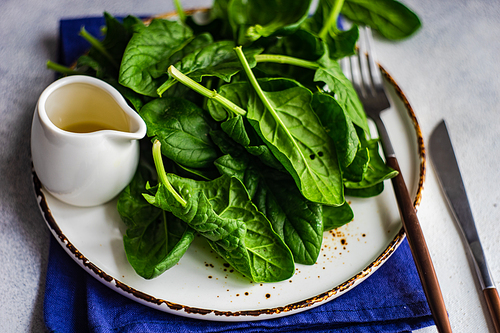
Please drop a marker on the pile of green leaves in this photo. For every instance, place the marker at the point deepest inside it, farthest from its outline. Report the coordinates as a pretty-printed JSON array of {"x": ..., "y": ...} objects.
[{"x": 254, "y": 134}]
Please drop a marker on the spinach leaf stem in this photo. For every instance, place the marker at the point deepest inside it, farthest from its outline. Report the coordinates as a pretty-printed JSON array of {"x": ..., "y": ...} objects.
[
  {"x": 283, "y": 59},
  {"x": 165, "y": 86},
  {"x": 253, "y": 81},
  {"x": 98, "y": 45},
  {"x": 61, "y": 69},
  {"x": 162, "y": 175},
  {"x": 180, "y": 11},
  {"x": 212, "y": 94},
  {"x": 331, "y": 22},
  {"x": 262, "y": 96}
]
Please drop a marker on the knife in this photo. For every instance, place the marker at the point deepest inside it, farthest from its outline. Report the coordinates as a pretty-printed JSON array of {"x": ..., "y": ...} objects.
[{"x": 446, "y": 166}]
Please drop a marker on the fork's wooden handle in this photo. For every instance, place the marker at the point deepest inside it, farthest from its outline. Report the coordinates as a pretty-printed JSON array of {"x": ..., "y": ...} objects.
[
  {"x": 419, "y": 250},
  {"x": 493, "y": 302}
]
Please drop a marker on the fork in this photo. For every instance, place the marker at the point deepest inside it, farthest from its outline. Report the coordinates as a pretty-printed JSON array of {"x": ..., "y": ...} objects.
[{"x": 364, "y": 73}]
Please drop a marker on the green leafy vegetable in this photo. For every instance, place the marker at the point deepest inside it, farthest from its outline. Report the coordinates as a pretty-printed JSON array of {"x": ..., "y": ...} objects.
[
  {"x": 391, "y": 18},
  {"x": 335, "y": 217},
  {"x": 324, "y": 24},
  {"x": 262, "y": 139},
  {"x": 377, "y": 170},
  {"x": 365, "y": 176},
  {"x": 222, "y": 211},
  {"x": 183, "y": 129},
  {"x": 295, "y": 219},
  {"x": 146, "y": 57},
  {"x": 216, "y": 59},
  {"x": 331, "y": 74},
  {"x": 339, "y": 127},
  {"x": 251, "y": 20},
  {"x": 155, "y": 240},
  {"x": 297, "y": 139}
]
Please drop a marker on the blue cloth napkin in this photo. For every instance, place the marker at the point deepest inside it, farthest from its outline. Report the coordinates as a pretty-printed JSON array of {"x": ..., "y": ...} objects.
[{"x": 390, "y": 300}]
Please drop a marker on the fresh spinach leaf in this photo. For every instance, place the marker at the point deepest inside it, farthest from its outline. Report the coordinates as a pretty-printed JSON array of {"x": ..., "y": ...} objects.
[
  {"x": 236, "y": 129},
  {"x": 198, "y": 42},
  {"x": 216, "y": 59},
  {"x": 341, "y": 43},
  {"x": 145, "y": 57},
  {"x": 295, "y": 136},
  {"x": 118, "y": 35},
  {"x": 226, "y": 145},
  {"x": 155, "y": 247},
  {"x": 339, "y": 127},
  {"x": 285, "y": 121},
  {"x": 104, "y": 56},
  {"x": 359, "y": 166},
  {"x": 377, "y": 170},
  {"x": 335, "y": 217},
  {"x": 155, "y": 240},
  {"x": 391, "y": 18},
  {"x": 331, "y": 74},
  {"x": 236, "y": 92},
  {"x": 221, "y": 211},
  {"x": 252, "y": 19},
  {"x": 183, "y": 129},
  {"x": 132, "y": 207},
  {"x": 303, "y": 45},
  {"x": 365, "y": 192},
  {"x": 220, "y": 10},
  {"x": 295, "y": 219},
  {"x": 239, "y": 129}
]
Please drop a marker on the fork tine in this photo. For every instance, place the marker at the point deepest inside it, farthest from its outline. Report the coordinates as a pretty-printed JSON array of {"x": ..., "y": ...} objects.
[
  {"x": 356, "y": 77},
  {"x": 365, "y": 75},
  {"x": 363, "y": 55},
  {"x": 372, "y": 58},
  {"x": 345, "y": 66}
]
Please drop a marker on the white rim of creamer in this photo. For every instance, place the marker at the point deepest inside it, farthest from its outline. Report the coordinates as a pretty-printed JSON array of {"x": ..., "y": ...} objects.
[{"x": 136, "y": 120}]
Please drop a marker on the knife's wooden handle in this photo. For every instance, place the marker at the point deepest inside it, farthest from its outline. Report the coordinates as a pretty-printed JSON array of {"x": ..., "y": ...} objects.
[
  {"x": 419, "y": 250},
  {"x": 493, "y": 302}
]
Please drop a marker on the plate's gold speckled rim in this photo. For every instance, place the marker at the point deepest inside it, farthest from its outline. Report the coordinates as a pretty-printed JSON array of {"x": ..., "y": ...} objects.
[{"x": 258, "y": 314}]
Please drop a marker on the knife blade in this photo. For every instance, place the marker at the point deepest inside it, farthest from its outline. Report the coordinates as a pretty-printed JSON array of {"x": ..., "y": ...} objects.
[{"x": 450, "y": 179}]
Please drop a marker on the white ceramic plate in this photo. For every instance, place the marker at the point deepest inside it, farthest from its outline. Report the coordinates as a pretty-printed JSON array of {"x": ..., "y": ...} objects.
[{"x": 202, "y": 286}]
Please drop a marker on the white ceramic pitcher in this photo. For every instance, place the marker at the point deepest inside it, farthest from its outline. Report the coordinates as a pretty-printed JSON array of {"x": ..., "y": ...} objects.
[{"x": 84, "y": 140}]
